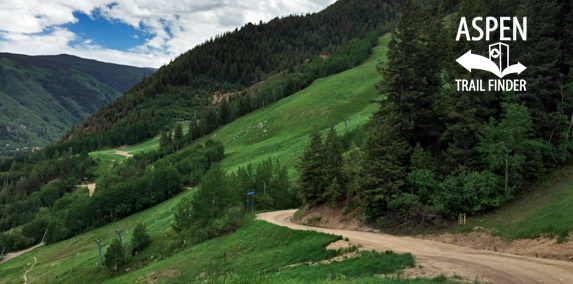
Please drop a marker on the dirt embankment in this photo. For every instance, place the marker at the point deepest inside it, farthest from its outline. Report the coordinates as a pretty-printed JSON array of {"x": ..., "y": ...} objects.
[
  {"x": 541, "y": 247},
  {"x": 326, "y": 216},
  {"x": 435, "y": 258}
]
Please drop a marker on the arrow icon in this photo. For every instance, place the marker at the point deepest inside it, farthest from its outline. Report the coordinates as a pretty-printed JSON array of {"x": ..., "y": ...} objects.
[{"x": 473, "y": 61}]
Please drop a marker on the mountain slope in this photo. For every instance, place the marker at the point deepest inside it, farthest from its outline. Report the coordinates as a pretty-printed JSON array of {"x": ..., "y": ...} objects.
[
  {"x": 42, "y": 97},
  {"x": 302, "y": 48},
  {"x": 287, "y": 122}
]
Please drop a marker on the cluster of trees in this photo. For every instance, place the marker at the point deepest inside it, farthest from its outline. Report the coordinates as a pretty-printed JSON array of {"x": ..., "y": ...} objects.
[
  {"x": 233, "y": 61},
  {"x": 139, "y": 183},
  {"x": 219, "y": 205},
  {"x": 431, "y": 151},
  {"x": 29, "y": 189}
]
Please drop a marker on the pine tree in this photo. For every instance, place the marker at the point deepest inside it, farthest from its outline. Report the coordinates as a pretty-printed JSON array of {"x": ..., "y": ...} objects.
[
  {"x": 182, "y": 216},
  {"x": 224, "y": 112},
  {"x": 115, "y": 255},
  {"x": 193, "y": 132},
  {"x": 411, "y": 79},
  {"x": 208, "y": 120},
  {"x": 542, "y": 54},
  {"x": 311, "y": 169},
  {"x": 421, "y": 159},
  {"x": 333, "y": 167},
  {"x": 178, "y": 135},
  {"x": 140, "y": 239},
  {"x": 383, "y": 171},
  {"x": 164, "y": 140}
]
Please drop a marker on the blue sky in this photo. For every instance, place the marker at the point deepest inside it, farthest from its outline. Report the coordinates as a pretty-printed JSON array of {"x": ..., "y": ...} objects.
[
  {"x": 105, "y": 33},
  {"x": 145, "y": 33}
]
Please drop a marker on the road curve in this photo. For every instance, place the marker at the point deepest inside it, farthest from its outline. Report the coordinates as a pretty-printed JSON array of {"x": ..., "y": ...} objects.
[{"x": 485, "y": 266}]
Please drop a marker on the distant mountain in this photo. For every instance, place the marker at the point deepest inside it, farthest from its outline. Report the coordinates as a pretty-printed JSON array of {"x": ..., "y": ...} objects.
[{"x": 42, "y": 97}]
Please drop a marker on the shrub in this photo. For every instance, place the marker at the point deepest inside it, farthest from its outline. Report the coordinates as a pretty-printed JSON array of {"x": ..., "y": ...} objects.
[{"x": 140, "y": 239}]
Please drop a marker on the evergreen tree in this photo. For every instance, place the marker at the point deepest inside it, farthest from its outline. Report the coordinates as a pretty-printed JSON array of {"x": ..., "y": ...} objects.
[
  {"x": 333, "y": 167},
  {"x": 411, "y": 79},
  {"x": 542, "y": 54},
  {"x": 224, "y": 111},
  {"x": 383, "y": 172},
  {"x": 115, "y": 255},
  {"x": 178, "y": 134},
  {"x": 164, "y": 140},
  {"x": 140, "y": 239},
  {"x": 208, "y": 120},
  {"x": 212, "y": 198},
  {"x": 421, "y": 159},
  {"x": 193, "y": 132},
  {"x": 311, "y": 169},
  {"x": 182, "y": 216}
]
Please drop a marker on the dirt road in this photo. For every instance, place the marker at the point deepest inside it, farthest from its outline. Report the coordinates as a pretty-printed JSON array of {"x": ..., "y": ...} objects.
[
  {"x": 439, "y": 258},
  {"x": 18, "y": 253}
]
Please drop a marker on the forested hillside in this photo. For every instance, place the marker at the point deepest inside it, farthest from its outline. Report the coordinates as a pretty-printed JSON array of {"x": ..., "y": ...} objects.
[
  {"x": 291, "y": 52},
  {"x": 42, "y": 97},
  {"x": 433, "y": 152}
]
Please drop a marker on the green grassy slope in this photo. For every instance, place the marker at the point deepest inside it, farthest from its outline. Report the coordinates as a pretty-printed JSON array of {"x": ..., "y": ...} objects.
[
  {"x": 545, "y": 210},
  {"x": 61, "y": 263},
  {"x": 287, "y": 122},
  {"x": 41, "y": 99}
]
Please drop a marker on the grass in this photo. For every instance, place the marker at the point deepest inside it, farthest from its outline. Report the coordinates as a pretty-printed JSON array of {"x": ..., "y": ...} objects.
[
  {"x": 257, "y": 244},
  {"x": 366, "y": 265},
  {"x": 544, "y": 210},
  {"x": 287, "y": 122},
  {"x": 61, "y": 263}
]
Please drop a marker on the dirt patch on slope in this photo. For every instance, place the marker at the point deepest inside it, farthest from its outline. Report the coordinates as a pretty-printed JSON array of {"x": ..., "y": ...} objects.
[
  {"x": 326, "y": 216},
  {"x": 541, "y": 247},
  {"x": 123, "y": 153},
  {"x": 91, "y": 187},
  {"x": 153, "y": 276}
]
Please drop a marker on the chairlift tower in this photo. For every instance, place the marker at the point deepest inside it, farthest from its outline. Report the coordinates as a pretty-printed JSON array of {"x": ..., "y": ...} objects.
[{"x": 99, "y": 247}]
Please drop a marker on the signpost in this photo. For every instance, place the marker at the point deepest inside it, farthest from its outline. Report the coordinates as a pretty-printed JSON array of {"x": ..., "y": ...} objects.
[{"x": 253, "y": 202}]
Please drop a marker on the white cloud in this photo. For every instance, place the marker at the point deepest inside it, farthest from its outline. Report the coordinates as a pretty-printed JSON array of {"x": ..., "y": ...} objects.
[{"x": 33, "y": 26}]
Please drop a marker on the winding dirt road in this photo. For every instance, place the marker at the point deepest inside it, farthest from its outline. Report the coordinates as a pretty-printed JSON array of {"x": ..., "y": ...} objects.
[{"x": 439, "y": 258}]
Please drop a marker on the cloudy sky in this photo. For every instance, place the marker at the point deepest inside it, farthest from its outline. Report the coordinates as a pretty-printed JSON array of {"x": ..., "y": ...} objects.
[{"x": 145, "y": 33}]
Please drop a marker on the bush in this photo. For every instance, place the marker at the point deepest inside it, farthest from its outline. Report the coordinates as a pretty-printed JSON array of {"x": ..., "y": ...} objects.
[
  {"x": 140, "y": 239},
  {"x": 115, "y": 255}
]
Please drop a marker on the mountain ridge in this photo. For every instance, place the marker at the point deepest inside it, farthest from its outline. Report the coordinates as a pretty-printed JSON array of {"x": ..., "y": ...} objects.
[{"x": 42, "y": 97}]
